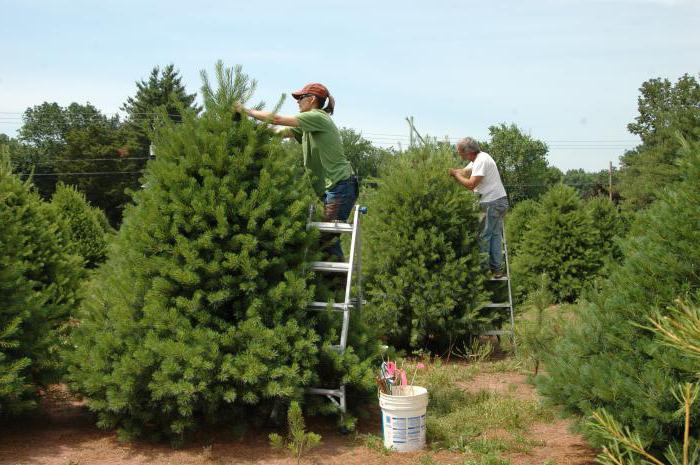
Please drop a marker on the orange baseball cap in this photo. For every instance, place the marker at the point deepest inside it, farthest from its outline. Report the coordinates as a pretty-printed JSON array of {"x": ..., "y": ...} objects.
[{"x": 314, "y": 89}]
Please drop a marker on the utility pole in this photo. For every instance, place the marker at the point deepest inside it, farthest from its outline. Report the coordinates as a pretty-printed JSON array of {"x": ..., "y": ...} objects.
[
  {"x": 610, "y": 181},
  {"x": 410, "y": 129},
  {"x": 413, "y": 130}
]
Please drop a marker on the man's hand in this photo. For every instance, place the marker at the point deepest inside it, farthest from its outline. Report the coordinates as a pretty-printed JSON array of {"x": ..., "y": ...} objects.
[
  {"x": 453, "y": 172},
  {"x": 239, "y": 108}
]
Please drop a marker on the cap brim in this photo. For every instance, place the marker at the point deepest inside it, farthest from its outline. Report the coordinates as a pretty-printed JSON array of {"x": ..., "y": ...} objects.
[{"x": 297, "y": 94}]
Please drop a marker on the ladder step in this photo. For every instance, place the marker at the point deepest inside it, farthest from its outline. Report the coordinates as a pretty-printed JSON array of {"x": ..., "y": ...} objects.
[
  {"x": 325, "y": 392},
  {"x": 497, "y": 332},
  {"x": 331, "y": 267},
  {"x": 498, "y": 305},
  {"x": 503, "y": 278},
  {"x": 332, "y": 227},
  {"x": 325, "y": 306}
]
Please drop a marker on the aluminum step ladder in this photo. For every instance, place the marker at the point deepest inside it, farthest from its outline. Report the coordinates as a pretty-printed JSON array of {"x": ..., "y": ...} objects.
[
  {"x": 509, "y": 304},
  {"x": 351, "y": 269}
]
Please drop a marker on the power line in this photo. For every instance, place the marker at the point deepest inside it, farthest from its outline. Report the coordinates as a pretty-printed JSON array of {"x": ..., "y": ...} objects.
[
  {"x": 95, "y": 173},
  {"x": 77, "y": 160}
]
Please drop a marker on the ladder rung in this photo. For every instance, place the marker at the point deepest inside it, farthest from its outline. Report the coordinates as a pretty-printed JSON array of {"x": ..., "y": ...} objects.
[
  {"x": 325, "y": 392},
  {"x": 325, "y": 306},
  {"x": 332, "y": 227},
  {"x": 337, "y": 348},
  {"x": 503, "y": 278},
  {"x": 331, "y": 267},
  {"x": 497, "y": 332},
  {"x": 498, "y": 305}
]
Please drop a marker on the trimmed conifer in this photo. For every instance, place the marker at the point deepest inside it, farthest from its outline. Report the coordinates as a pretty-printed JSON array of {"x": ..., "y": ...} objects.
[
  {"x": 38, "y": 283},
  {"x": 608, "y": 359},
  {"x": 423, "y": 281},
  {"x": 562, "y": 242},
  {"x": 85, "y": 226},
  {"x": 608, "y": 225},
  {"x": 517, "y": 222},
  {"x": 199, "y": 314}
]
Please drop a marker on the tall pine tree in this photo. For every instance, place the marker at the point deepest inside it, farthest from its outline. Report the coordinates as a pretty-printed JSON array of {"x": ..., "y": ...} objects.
[
  {"x": 199, "y": 313},
  {"x": 423, "y": 282},
  {"x": 162, "y": 94},
  {"x": 607, "y": 359}
]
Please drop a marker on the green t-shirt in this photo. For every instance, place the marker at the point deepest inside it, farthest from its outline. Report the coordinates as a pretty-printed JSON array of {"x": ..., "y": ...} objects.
[{"x": 322, "y": 148}]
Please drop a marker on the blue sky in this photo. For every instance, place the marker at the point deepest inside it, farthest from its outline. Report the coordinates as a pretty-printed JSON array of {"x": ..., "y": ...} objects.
[{"x": 565, "y": 71}]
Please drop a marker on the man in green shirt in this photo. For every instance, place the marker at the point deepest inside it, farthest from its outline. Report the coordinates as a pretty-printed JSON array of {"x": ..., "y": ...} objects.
[{"x": 332, "y": 175}]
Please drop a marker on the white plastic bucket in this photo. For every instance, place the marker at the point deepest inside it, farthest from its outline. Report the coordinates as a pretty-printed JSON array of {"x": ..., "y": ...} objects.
[{"x": 403, "y": 418}]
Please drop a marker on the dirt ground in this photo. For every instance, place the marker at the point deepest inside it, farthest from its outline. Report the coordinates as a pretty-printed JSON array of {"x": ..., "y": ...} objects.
[{"x": 64, "y": 434}]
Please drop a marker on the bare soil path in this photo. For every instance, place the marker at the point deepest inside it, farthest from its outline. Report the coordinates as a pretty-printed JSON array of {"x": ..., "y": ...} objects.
[{"x": 63, "y": 433}]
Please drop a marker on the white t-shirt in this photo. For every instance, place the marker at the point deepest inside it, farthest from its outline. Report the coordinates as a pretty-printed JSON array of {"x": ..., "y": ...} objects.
[{"x": 491, "y": 188}]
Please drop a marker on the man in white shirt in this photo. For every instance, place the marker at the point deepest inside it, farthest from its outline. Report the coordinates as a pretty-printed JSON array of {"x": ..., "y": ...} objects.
[{"x": 481, "y": 176}]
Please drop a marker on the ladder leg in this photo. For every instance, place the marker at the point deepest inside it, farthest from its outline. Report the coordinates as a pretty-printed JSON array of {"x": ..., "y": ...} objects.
[{"x": 510, "y": 290}]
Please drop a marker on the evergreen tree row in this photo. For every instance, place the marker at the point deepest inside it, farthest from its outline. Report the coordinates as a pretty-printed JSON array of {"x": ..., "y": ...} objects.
[
  {"x": 607, "y": 358},
  {"x": 39, "y": 279}
]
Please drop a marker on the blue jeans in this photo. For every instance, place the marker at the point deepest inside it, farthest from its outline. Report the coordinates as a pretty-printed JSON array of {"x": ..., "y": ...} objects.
[
  {"x": 491, "y": 236},
  {"x": 337, "y": 205}
]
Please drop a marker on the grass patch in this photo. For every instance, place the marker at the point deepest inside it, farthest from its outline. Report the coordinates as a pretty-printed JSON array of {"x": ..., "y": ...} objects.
[
  {"x": 487, "y": 460},
  {"x": 484, "y": 424},
  {"x": 373, "y": 442}
]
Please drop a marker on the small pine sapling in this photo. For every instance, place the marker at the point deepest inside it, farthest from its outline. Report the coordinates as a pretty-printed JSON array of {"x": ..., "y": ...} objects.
[
  {"x": 299, "y": 441},
  {"x": 534, "y": 331}
]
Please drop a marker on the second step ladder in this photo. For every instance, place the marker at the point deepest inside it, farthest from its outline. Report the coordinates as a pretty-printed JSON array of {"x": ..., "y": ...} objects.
[{"x": 506, "y": 304}]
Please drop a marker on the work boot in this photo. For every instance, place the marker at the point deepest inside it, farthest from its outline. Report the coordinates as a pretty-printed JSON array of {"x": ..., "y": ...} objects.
[{"x": 498, "y": 274}]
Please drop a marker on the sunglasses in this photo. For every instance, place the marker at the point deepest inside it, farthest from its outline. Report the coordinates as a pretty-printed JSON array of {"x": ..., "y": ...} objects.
[{"x": 303, "y": 96}]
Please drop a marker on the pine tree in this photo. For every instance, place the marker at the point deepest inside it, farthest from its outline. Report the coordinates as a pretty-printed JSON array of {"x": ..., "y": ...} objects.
[
  {"x": 299, "y": 441},
  {"x": 38, "y": 285},
  {"x": 517, "y": 222},
  {"x": 162, "y": 92},
  {"x": 607, "y": 358},
  {"x": 562, "y": 242},
  {"x": 199, "y": 313},
  {"x": 608, "y": 226},
  {"x": 85, "y": 226},
  {"x": 423, "y": 281}
]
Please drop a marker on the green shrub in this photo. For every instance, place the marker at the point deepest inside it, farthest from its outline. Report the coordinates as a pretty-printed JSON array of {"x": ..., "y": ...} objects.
[
  {"x": 517, "y": 223},
  {"x": 85, "y": 225},
  {"x": 199, "y": 314},
  {"x": 38, "y": 284},
  {"x": 564, "y": 242},
  {"x": 421, "y": 256},
  {"x": 608, "y": 360}
]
